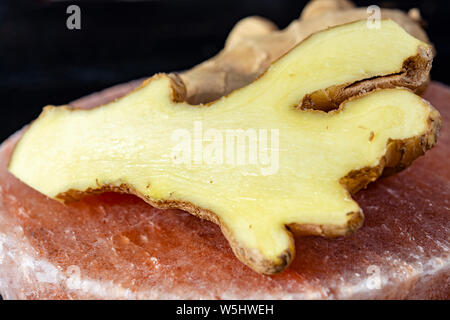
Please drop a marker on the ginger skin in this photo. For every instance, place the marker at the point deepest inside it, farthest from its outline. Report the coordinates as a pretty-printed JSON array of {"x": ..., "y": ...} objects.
[{"x": 254, "y": 43}]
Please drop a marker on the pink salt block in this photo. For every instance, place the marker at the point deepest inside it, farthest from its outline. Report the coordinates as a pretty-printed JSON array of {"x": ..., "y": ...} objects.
[{"x": 114, "y": 246}]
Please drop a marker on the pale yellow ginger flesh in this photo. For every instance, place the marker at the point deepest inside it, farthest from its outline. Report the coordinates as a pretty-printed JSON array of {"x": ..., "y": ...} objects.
[{"x": 134, "y": 143}]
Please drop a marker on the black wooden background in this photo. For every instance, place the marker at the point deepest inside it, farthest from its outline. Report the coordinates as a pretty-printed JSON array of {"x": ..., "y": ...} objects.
[{"x": 42, "y": 62}]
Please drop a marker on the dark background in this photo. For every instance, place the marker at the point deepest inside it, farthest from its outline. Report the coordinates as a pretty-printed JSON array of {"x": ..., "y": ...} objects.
[{"x": 42, "y": 62}]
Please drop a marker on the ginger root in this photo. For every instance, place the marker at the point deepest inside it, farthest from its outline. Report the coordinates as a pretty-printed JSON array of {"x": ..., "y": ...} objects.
[
  {"x": 254, "y": 43},
  {"x": 250, "y": 162},
  {"x": 316, "y": 8}
]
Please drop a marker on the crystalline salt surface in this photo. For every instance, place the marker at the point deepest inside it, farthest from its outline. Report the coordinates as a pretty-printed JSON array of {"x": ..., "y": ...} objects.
[{"x": 117, "y": 246}]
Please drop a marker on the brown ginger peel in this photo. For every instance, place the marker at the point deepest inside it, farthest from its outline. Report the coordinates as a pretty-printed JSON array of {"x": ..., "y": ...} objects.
[{"x": 142, "y": 144}]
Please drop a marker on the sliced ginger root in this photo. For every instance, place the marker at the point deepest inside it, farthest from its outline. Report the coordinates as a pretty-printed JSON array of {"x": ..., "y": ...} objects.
[
  {"x": 316, "y": 158},
  {"x": 254, "y": 43}
]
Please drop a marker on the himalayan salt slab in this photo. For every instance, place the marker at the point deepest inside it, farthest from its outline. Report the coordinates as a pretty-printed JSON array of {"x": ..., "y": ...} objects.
[{"x": 114, "y": 246}]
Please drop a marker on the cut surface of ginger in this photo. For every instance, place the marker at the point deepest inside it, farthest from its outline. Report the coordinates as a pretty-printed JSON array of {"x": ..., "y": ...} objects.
[{"x": 250, "y": 161}]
